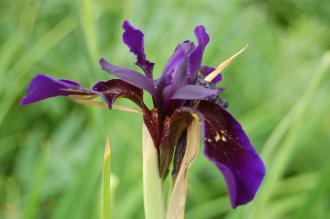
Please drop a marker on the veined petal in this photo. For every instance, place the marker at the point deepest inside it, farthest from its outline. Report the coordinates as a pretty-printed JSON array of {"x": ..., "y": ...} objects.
[
  {"x": 229, "y": 148},
  {"x": 44, "y": 86},
  {"x": 196, "y": 56},
  {"x": 130, "y": 76},
  {"x": 206, "y": 70},
  {"x": 133, "y": 38},
  {"x": 195, "y": 92}
]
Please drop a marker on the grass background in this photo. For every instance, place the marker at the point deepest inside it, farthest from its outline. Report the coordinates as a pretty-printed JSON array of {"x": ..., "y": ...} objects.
[{"x": 51, "y": 152}]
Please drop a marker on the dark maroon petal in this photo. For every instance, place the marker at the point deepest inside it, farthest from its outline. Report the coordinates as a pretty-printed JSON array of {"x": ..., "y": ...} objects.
[
  {"x": 130, "y": 76},
  {"x": 206, "y": 70},
  {"x": 133, "y": 38},
  {"x": 180, "y": 54},
  {"x": 174, "y": 128},
  {"x": 111, "y": 90},
  {"x": 43, "y": 86},
  {"x": 195, "y": 92},
  {"x": 196, "y": 56},
  {"x": 229, "y": 148}
]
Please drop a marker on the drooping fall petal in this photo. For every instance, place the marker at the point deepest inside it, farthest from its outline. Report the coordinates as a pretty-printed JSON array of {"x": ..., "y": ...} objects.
[
  {"x": 44, "y": 86},
  {"x": 133, "y": 38},
  {"x": 229, "y": 148}
]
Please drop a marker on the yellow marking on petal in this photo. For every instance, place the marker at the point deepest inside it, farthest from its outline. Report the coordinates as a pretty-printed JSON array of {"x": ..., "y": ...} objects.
[
  {"x": 100, "y": 104},
  {"x": 217, "y": 137},
  {"x": 223, "y": 65}
]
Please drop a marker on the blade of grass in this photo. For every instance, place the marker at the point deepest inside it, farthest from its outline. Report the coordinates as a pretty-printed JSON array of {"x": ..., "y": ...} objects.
[
  {"x": 279, "y": 208},
  {"x": 22, "y": 66},
  {"x": 210, "y": 209},
  {"x": 26, "y": 61},
  {"x": 321, "y": 190},
  {"x": 293, "y": 185},
  {"x": 73, "y": 203},
  {"x": 281, "y": 160},
  {"x": 87, "y": 17},
  {"x": 33, "y": 199},
  {"x": 106, "y": 182},
  {"x": 25, "y": 27}
]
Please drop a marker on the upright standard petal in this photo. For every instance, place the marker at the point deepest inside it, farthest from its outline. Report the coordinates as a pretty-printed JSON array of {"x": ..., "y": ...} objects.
[
  {"x": 195, "y": 92},
  {"x": 130, "y": 76},
  {"x": 229, "y": 148},
  {"x": 133, "y": 38},
  {"x": 206, "y": 70},
  {"x": 44, "y": 86},
  {"x": 196, "y": 56},
  {"x": 180, "y": 54}
]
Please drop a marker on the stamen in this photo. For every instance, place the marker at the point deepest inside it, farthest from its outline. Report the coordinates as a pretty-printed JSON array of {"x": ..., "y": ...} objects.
[
  {"x": 223, "y": 65},
  {"x": 100, "y": 104}
]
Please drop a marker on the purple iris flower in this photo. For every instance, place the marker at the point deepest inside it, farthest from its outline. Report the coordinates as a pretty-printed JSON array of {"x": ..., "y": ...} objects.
[{"x": 179, "y": 95}]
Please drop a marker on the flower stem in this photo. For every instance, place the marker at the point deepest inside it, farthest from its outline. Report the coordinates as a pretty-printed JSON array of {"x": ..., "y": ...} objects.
[{"x": 152, "y": 183}]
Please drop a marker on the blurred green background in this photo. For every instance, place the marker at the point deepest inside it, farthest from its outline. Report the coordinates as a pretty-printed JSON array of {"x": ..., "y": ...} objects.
[{"x": 51, "y": 152}]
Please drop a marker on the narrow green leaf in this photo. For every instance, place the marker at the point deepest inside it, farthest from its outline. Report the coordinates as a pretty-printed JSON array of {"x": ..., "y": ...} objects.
[
  {"x": 106, "y": 182},
  {"x": 33, "y": 199},
  {"x": 281, "y": 160}
]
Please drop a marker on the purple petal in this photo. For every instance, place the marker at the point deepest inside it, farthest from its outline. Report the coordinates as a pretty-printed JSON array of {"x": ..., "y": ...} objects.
[
  {"x": 180, "y": 54},
  {"x": 229, "y": 148},
  {"x": 43, "y": 86},
  {"x": 133, "y": 38},
  {"x": 130, "y": 76},
  {"x": 197, "y": 55},
  {"x": 206, "y": 70},
  {"x": 195, "y": 92}
]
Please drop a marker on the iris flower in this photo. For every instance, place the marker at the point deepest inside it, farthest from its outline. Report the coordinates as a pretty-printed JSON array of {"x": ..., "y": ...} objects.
[{"x": 185, "y": 89}]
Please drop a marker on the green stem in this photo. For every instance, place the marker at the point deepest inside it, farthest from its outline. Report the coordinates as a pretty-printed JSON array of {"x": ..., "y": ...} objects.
[{"x": 152, "y": 183}]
